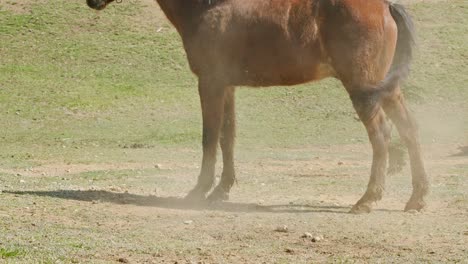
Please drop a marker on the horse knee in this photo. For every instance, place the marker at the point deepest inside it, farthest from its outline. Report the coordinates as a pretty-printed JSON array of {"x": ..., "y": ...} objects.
[{"x": 228, "y": 179}]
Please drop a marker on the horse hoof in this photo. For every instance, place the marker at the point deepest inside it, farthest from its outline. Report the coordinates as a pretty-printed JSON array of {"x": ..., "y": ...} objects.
[
  {"x": 415, "y": 206},
  {"x": 218, "y": 195},
  {"x": 195, "y": 196},
  {"x": 361, "y": 209}
]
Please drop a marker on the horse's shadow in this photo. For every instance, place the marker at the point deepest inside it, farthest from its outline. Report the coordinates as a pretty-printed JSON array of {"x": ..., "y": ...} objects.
[
  {"x": 462, "y": 152},
  {"x": 180, "y": 203}
]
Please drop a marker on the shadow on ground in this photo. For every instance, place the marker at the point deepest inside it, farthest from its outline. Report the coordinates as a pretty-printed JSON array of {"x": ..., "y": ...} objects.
[
  {"x": 179, "y": 203},
  {"x": 462, "y": 152}
]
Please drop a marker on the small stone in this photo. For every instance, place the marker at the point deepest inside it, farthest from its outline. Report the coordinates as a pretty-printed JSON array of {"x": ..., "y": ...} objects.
[
  {"x": 123, "y": 260},
  {"x": 188, "y": 222},
  {"x": 340, "y": 163},
  {"x": 282, "y": 229},
  {"x": 157, "y": 166},
  {"x": 317, "y": 239},
  {"x": 289, "y": 250},
  {"x": 307, "y": 235},
  {"x": 22, "y": 181}
]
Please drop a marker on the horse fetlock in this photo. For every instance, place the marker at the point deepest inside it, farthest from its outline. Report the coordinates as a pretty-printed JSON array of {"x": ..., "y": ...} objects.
[
  {"x": 197, "y": 194},
  {"x": 421, "y": 188},
  {"x": 420, "y": 191},
  {"x": 416, "y": 202},
  {"x": 373, "y": 193},
  {"x": 227, "y": 180},
  {"x": 219, "y": 194}
]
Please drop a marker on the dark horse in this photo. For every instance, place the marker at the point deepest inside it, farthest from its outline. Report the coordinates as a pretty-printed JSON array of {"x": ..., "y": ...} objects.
[{"x": 366, "y": 44}]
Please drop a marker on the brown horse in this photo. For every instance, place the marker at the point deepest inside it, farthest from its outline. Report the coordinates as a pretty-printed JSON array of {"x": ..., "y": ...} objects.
[{"x": 366, "y": 44}]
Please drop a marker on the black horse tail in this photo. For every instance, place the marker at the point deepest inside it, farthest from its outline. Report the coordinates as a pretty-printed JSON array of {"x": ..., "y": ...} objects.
[
  {"x": 399, "y": 71},
  {"x": 404, "y": 48}
]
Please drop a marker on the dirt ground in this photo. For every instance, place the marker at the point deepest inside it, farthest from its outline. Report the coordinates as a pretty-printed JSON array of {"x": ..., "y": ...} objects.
[{"x": 133, "y": 213}]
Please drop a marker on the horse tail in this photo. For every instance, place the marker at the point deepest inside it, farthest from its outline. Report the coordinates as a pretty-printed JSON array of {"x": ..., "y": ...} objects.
[
  {"x": 398, "y": 72},
  {"x": 404, "y": 48}
]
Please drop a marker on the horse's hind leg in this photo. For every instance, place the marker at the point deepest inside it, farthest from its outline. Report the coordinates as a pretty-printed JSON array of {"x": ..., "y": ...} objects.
[
  {"x": 396, "y": 109},
  {"x": 372, "y": 115},
  {"x": 228, "y": 132}
]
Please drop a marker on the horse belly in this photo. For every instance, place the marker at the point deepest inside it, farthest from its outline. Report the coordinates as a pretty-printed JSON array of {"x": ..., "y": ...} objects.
[{"x": 279, "y": 67}]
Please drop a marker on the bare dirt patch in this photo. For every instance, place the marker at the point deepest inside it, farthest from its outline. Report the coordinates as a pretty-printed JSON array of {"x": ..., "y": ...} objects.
[
  {"x": 60, "y": 169},
  {"x": 300, "y": 190}
]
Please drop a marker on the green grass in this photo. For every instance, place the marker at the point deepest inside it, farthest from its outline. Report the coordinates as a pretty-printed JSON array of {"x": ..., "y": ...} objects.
[
  {"x": 75, "y": 84},
  {"x": 10, "y": 253}
]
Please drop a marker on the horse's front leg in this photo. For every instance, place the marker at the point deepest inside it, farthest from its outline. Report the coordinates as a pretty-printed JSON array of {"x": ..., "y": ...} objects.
[
  {"x": 212, "y": 104},
  {"x": 228, "y": 133}
]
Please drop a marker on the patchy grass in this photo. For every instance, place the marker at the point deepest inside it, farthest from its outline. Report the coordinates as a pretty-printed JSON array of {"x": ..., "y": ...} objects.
[
  {"x": 9, "y": 253},
  {"x": 73, "y": 79}
]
